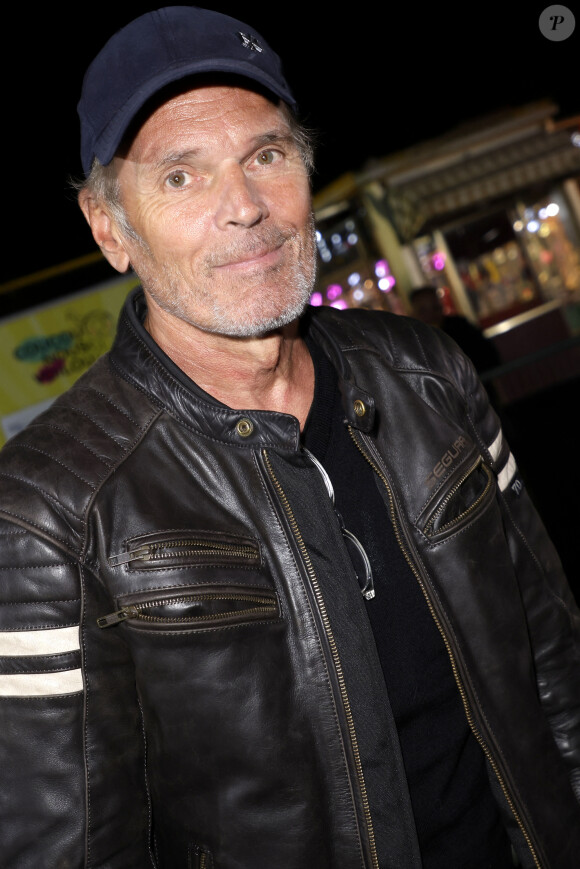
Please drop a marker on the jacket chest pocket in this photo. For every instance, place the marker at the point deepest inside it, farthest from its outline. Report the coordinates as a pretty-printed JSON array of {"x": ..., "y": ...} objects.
[
  {"x": 225, "y": 586},
  {"x": 467, "y": 496}
]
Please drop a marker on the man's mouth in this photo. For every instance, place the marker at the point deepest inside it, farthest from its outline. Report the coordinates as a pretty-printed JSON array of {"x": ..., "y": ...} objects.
[
  {"x": 260, "y": 253},
  {"x": 263, "y": 257}
]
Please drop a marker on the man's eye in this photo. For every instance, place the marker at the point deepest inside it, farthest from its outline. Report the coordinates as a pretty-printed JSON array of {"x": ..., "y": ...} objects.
[
  {"x": 177, "y": 179},
  {"x": 265, "y": 158}
]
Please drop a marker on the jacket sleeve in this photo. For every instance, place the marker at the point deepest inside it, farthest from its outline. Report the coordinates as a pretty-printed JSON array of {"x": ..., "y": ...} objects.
[
  {"x": 72, "y": 786},
  {"x": 42, "y": 785},
  {"x": 552, "y": 614}
]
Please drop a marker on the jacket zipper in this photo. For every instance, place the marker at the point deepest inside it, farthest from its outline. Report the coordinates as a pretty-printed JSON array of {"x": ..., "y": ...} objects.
[
  {"x": 334, "y": 651},
  {"x": 458, "y": 680},
  {"x": 186, "y": 548},
  {"x": 441, "y": 508},
  {"x": 137, "y": 611},
  {"x": 199, "y": 859}
]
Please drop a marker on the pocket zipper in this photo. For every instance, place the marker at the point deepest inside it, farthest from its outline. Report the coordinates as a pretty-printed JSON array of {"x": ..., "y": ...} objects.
[
  {"x": 184, "y": 548},
  {"x": 429, "y": 526},
  {"x": 265, "y": 605}
]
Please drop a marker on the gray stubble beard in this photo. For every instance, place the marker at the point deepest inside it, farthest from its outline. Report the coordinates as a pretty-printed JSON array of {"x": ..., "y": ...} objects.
[{"x": 170, "y": 297}]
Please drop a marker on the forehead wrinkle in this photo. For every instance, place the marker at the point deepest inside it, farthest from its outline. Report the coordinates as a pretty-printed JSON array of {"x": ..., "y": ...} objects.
[{"x": 271, "y": 137}]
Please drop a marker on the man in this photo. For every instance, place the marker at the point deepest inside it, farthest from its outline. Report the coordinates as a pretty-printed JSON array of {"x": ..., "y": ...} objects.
[
  {"x": 272, "y": 592},
  {"x": 426, "y": 306}
]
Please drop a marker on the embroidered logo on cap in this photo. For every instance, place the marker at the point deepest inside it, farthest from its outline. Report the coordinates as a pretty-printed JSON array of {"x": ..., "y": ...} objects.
[{"x": 250, "y": 42}]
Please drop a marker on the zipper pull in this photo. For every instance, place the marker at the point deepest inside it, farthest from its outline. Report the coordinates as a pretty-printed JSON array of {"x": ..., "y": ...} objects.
[
  {"x": 142, "y": 553},
  {"x": 127, "y": 612}
]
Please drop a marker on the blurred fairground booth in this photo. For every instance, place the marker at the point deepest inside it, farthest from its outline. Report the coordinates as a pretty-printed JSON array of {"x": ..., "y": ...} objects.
[{"x": 490, "y": 215}]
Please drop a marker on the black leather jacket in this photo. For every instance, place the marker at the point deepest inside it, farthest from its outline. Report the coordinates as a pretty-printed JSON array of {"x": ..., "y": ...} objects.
[{"x": 183, "y": 680}]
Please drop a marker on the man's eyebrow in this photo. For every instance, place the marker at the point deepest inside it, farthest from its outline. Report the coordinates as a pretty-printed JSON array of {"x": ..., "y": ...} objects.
[
  {"x": 177, "y": 157},
  {"x": 274, "y": 137}
]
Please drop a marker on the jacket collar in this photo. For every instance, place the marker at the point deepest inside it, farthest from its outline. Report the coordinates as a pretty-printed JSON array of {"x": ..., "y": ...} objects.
[{"x": 140, "y": 360}]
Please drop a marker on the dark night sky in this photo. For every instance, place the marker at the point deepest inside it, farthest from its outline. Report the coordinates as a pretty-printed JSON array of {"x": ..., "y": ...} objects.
[{"x": 371, "y": 82}]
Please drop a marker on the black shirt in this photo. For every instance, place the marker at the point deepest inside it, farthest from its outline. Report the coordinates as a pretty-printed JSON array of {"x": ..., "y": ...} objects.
[{"x": 456, "y": 816}]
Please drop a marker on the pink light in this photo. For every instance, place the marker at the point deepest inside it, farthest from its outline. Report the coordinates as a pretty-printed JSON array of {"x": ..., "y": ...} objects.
[
  {"x": 438, "y": 261},
  {"x": 386, "y": 284},
  {"x": 316, "y": 299},
  {"x": 333, "y": 291},
  {"x": 341, "y": 304},
  {"x": 381, "y": 268}
]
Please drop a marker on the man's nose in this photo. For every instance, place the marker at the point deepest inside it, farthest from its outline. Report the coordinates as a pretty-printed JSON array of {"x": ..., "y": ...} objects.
[{"x": 239, "y": 199}]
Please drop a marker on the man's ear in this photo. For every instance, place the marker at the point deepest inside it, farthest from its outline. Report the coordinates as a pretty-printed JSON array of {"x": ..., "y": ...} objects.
[{"x": 105, "y": 231}]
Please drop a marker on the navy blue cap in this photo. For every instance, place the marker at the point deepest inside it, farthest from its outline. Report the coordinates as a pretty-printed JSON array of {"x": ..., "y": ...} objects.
[{"x": 159, "y": 48}]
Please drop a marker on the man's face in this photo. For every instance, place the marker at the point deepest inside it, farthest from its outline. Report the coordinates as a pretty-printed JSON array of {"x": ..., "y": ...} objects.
[{"x": 216, "y": 191}]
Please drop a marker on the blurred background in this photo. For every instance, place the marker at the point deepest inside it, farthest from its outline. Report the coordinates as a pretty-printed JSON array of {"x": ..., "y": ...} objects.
[{"x": 448, "y": 154}]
